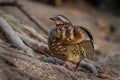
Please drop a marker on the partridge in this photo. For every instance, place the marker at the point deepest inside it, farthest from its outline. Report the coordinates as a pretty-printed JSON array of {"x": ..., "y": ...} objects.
[{"x": 70, "y": 42}]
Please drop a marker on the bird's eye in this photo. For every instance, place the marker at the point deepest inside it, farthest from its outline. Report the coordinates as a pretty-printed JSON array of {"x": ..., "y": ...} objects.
[{"x": 58, "y": 18}]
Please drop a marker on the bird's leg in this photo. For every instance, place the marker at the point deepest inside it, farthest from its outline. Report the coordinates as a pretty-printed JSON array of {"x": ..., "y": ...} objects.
[
  {"x": 65, "y": 63},
  {"x": 56, "y": 64},
  {"x": 77, "y": 66},
  {"x": 107, "y": 70},
  {"x": 84, "y": 56}
]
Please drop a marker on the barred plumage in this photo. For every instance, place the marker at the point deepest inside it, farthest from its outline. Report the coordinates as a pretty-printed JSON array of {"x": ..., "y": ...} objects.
[{"x": 70, "y": 42}]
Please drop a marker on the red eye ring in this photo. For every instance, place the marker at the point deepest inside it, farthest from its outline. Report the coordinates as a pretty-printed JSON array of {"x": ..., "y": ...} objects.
[{"x": 58, "y": 18}]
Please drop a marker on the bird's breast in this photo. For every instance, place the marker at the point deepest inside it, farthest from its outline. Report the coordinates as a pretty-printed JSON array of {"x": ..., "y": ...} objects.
[
  {"x": 63, "y": 42},
  {"x": 68, "y": 34}
]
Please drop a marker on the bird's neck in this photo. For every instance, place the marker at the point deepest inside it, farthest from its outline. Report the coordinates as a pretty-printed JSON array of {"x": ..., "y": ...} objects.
[{"x": 63, "y": 24}]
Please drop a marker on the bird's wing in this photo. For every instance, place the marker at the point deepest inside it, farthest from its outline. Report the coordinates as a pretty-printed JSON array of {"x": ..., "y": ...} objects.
[
  {"x": 74, "y": 35},
  {"x": 87, "y": 32},
  {"x": 88, "y": 47},
  {"x": 55, "y": 40}
]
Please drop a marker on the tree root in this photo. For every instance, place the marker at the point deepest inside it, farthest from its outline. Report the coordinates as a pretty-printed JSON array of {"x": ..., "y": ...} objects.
[
  {"x": 13, "y": 37},
  {"x": 26, "y": 12},
  {"x": 94, "y": 68}
]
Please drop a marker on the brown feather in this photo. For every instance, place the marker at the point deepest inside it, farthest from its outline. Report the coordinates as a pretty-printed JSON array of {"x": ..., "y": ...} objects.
[{"x": 70, "y": 42}]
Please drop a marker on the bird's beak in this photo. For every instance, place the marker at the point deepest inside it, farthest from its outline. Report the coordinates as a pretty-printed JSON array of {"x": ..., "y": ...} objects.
[{"x": 52, "y": 19}]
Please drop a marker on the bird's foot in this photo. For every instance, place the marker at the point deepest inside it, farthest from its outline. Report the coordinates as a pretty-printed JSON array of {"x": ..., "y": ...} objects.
[
  {"x": 57, "y": 64},
  {"x": 65, "y": 63}
]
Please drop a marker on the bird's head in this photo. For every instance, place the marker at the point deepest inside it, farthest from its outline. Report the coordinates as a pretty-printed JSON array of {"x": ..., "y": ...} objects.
[{"x": 60, "y": 20}]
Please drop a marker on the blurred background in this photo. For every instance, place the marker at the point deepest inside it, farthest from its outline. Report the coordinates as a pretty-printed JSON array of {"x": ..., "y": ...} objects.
[{"x": 101, "y": 17}]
